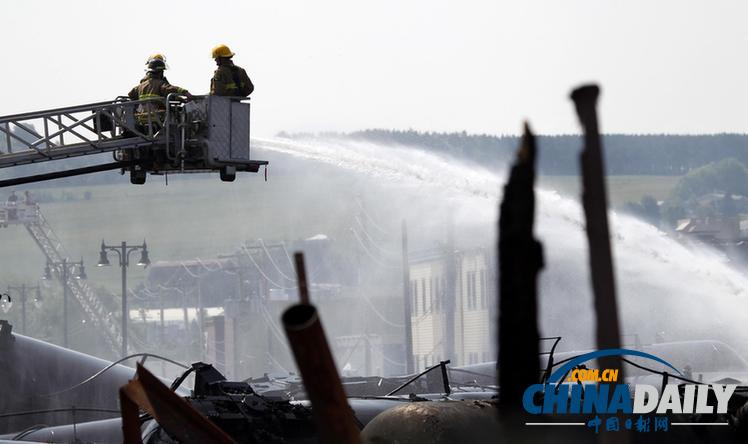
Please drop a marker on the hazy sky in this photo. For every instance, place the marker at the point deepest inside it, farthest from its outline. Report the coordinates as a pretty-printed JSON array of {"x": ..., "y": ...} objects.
[{"x": 340, "y": 65}]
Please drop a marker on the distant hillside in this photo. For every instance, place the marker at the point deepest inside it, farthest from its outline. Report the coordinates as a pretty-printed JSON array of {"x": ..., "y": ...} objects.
[{"x": 660, "y": 155}]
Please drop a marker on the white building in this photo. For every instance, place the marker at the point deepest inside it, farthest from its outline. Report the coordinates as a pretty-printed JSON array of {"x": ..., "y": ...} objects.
[{"x": 453, "y": 306}]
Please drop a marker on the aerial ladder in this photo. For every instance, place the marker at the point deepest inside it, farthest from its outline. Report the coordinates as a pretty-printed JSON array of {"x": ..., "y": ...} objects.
[
  {"x": 157, "y": 136},
  {"x": 30, "y": 216}
]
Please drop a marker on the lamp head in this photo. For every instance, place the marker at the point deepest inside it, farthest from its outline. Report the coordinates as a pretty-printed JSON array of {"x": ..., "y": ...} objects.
[
  {"x": 81, "y": 271},
  {"x": 103, "y": 259},
  {"x": 144, "y": 259},
  {"x": 37, "y": 297}
]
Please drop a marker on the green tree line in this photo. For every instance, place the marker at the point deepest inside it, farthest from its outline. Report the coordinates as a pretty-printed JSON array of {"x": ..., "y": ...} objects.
[{"x": 558, "y": 155}]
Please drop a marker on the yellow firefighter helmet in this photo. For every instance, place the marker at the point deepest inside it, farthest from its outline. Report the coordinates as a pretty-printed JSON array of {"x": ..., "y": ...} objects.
[
  {"x": 156, "y": 62},
  {"x": 221, "y": 51},
  {"x": 157, "y": 56}
]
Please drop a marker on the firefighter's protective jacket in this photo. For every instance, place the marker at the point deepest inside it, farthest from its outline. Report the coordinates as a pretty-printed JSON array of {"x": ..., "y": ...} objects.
[
  {"x": 230, "y": 80},
  {"x": 153, "y": 86}
]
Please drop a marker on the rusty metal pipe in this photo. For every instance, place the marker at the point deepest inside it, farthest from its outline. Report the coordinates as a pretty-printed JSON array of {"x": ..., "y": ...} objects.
[{"x": 333, "y": 416}]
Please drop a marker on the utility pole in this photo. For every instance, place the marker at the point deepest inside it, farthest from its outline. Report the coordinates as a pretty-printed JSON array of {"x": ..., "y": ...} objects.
[
  {"x": 65, "y": 297},
  {"x": 186, "y": 319},
  {"x": 125, "y": 313},
  {"x": 406, "y": 302},
  {"x": 62, "y": 269},
  {"x": 23, "y": 292},
  {"x": 161, "y": 330},
  {"x": 451, "y": 294},
  {"x": 200, "y": 320}
]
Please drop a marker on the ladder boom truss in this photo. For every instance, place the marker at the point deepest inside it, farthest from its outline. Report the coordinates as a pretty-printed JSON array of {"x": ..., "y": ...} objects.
[
  {"x": 67, "y": 132},
  {"x": 158, "y": 135}
]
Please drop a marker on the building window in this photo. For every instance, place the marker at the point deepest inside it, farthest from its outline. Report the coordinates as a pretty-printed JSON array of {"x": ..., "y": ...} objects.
[
  {"x": 414, "y": 297},
  {"x": 473, "y": 357},
  {"x": 483, "y": 288},
  {"x": 437, "y": 294},
  {"x": 431, "y": 294},
  {"x": 423, "y": 295},
  {"x": 471, "y": 293},
  {"x": 475, "y": 289}
]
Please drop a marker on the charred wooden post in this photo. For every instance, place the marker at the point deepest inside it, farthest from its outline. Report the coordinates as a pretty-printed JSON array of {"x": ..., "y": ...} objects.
[
  {"x": 595, "y": 202},
  {"x": 333, "y": 416},
  {"x": 520, "y": 261}
]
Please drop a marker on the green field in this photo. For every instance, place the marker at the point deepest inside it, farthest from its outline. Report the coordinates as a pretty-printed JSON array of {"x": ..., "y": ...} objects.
[{"x": 621, "y": 189}]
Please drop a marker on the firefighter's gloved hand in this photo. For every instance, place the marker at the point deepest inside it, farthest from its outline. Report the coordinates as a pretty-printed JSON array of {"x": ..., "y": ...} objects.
[{"x": 188, "y": 96}]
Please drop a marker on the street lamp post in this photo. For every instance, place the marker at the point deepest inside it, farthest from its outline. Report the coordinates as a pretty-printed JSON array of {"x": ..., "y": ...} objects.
[
  {"x": 23, "y": 291},
  {"x": 63, "y": 269},
  {"x": 123, "y": 252}
]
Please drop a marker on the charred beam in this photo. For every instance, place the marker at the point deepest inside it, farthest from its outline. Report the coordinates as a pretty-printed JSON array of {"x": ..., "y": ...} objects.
[
  {"x": 171, "y": 411},
  {"x": 520, "y": 261},
  {"x": 595, "y": 202},
  {"x": 130, "y": 418}
]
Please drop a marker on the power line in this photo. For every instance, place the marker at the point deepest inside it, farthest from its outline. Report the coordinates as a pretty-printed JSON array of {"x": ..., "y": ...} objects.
[
  {"x": 218, "y": 268},
  {"x": 372, "y": 241},
  {"x": 259, "y": 269},
  {"x": 379, "y": 314},
  {"x": 371, "y": 219},
  {"x": 369, "y": 253},
  {"x": 272, "y": 261},
  {"x": 288, "y": 256}
]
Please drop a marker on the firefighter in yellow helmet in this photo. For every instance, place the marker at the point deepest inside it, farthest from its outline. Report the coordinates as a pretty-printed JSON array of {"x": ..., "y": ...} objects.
[
  {"x": 154, "y": 86},
  {"x": 229, "y": 79},
  {"x": 157, "y": 56}
]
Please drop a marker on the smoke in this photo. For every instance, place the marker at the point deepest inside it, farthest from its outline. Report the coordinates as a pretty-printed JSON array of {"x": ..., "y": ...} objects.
[
  {"x": 357, "y": 193},
  {"x": 664, "y": 287}
]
